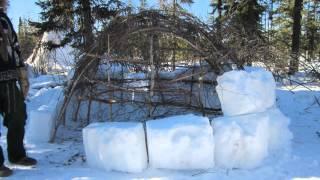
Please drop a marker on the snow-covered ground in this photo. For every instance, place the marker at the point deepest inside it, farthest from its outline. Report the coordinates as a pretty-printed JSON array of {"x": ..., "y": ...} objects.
[{"x": 65, "y": 159}]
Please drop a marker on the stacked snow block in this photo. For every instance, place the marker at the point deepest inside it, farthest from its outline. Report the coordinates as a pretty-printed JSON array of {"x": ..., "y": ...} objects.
[
  {"x": 180, "y": 142},
  {"x": 42, "y": 120},
  {"x": 245, "y": 92},
  {"x": 116, "y": 146},
  {"x": 252, "y": 128}
]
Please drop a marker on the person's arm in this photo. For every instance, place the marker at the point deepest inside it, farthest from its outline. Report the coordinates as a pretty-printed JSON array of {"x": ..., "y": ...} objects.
[
  {"x": 24, "y": 80},
  {"x": 22, "y": 71}
]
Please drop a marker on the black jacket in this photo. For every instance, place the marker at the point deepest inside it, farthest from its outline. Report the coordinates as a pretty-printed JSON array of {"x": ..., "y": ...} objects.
[{"x": 14, "y": 60}]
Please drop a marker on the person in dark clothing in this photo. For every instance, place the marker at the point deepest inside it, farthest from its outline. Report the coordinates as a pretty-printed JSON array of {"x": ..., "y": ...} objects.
[{"x": 14, "y": 86}]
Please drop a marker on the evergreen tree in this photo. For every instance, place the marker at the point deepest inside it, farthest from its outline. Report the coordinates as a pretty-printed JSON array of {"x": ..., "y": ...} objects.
[
  {"x": 242, "y": 21},
  {"x": 77, "y": 18},
  {"x": 311, "y": 26},
  {"x": 249, "y": 16},
  {"x": 216, "y": 13},
  {"x": 281, "y": 33},
  {"x": 26, "y": 37}
]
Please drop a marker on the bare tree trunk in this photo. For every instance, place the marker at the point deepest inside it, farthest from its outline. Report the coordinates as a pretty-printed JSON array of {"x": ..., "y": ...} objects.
[
  {"x": 270, "y": 20},
  {"x": 174, "y": 37},
  {"x": 87, "y": 24},
  {"x": 296, "y": 30}
]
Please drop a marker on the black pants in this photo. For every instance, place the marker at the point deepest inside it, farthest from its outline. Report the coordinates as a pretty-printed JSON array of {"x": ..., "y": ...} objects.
[{"x": 13, "y": 111}]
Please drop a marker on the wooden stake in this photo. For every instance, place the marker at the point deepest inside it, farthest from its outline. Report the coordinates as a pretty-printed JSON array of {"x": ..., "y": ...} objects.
[{"x": 152, "y": 74}]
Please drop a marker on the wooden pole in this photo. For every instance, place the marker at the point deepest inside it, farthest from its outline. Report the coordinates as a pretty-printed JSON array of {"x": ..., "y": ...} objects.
[
  {"x": 201, "y": 89},
  {"x": 152, "y": 75},
  {"x": 191, "y": 85},
  {"x": 89, "y": 111},
  {"x": 75, "y": 115},
  {"x": 109, "y": 81},
  {"x": 89, "y": 106}
]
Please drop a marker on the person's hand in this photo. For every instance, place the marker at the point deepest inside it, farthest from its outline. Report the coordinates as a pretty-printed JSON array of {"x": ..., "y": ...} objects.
[{"x": 24, "y": 81}]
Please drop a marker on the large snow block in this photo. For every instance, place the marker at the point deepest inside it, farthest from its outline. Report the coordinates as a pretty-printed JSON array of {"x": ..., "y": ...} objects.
[
  {"x": 245, "y": 92},
  {"x": 241, "y": 141},
  {"x": 279, "y": 134},
  {"x": 41, "y": 121},
  {"x": 245, "y": 141},
  {"x": 41, "y": 124},
  {"x": 180, "y": 142},
  {"x": 116, "y": 146}
]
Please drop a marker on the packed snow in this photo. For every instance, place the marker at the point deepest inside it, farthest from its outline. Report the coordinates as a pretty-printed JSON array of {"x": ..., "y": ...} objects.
[
  {"x": 42, "y": 120},
  {"x": 43, "y": 104},
  {"x": 252, "y": 128},
  {"x": 245, "y": 141},
  {"x": 66, "y": 158},
  {"x": 180, "y": 142},
  {"x": 244, "y": 92},
  {"x": 116, "y": 146},
  {"x": 241, "y": 141}
]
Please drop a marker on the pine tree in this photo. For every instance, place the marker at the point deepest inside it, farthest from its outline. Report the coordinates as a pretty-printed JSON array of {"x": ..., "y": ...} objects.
[
  {"x": 20, "y": 25},
  {"x": 312, "y": 25},
  {"x": 281, "y": 33},
  {"x": 217, "y": 13},
  {"x": 27, "y": 40},
  {"x": 248, "y": 15},
  {"x": 77, "y": 18},
  {"x": 244, "y": 19}
]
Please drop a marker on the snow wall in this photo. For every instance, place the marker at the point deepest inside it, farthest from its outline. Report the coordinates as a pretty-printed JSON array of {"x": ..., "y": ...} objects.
[
  {"x": 249, "y": 133},
  {"x": 43, "y": 104}
]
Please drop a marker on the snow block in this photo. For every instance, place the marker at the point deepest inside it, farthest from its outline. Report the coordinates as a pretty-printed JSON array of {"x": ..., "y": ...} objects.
[
  {"x": 245, "y": 141},
  {"x": 116, "y": 146},
  {"x": 41, "y": 124},
  {"x": 279, "y": 134},
  {"x": 180, "y": 142},
  {"x": 42, "y": 120},
  {"x": 245, "y": 92},
  {"x": 241, "y": 142}
]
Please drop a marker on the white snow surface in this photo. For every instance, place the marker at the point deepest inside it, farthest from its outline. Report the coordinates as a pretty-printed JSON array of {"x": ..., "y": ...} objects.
[
  {"x": 65, "y": 159},
  {"x": 116, "y": 146},
  {"x": 180, "y": 142},
  {"x": 44, "y": 101},
  {"x": 245, "y": 92},
  {"x": 42, "y": 120},
  {"x": 246, "y": 141}
]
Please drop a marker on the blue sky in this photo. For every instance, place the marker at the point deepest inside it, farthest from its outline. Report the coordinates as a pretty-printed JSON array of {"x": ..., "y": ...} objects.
[
  {"x": 28, "y": 10},
  {"x": 23, "y": 8}
]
